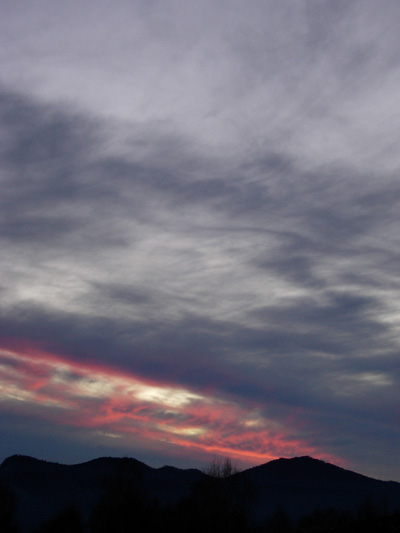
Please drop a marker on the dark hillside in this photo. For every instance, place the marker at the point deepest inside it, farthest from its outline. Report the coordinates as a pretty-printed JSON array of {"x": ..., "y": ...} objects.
[
  {"x": 43, "y": 488},
  {"x": 291, "y": 488},
  {"x": 303, "y": 484}
]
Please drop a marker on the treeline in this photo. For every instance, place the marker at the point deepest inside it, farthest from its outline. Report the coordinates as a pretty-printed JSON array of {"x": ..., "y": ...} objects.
[{"x": 219, "y": 502}]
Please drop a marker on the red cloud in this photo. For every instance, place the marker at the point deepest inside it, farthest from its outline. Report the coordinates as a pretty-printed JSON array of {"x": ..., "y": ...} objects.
[{"x": 119, "y": 404}]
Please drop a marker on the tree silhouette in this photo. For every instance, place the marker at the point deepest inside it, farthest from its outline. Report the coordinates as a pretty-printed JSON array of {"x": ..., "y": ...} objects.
[
  {"x": 67, "y": 520},
  {"x": 7, "y": 511},
  {"x": 216, "y": 502},
  {"x": 221, "y": 469},
  {"x": 121, "y": 509}
]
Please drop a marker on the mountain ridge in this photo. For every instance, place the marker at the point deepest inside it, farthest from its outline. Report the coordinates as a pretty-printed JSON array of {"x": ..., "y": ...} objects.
[
  {"x": 303, "y": 461},
  {"x": 299, "y": 485}
]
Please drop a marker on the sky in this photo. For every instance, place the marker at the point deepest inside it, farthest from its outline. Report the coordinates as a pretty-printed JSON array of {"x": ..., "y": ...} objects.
[{"x": 199, "y": 245}]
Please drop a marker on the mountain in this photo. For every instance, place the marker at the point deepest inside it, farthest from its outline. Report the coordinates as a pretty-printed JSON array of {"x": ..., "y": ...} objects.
[
  {"x": 298, "y": 486},
  {"x": 303, "y": 484},
  {"x": 43, "y": 488}
]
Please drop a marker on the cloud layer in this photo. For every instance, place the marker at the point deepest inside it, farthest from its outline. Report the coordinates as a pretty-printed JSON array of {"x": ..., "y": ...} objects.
[
  {"x": 205, "y": 200},
  {"x": 117, "y": 405}
]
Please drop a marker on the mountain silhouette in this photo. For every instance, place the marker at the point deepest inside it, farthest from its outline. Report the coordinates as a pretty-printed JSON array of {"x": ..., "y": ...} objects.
[
  {"x": 303, "y": 484},
  {"x": 44, "y": 488},
  {"x": 298, "y": 486}
]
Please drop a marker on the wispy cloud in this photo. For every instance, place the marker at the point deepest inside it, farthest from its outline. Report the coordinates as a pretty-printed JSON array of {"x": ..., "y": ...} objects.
[
  {"x": 205, "y": 197},
  {"x": 120, "y": 405}
]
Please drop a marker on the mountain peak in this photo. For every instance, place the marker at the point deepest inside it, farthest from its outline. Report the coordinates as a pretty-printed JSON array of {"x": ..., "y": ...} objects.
[
  {"x": 23, "y": 460},
  {"x": 298, "y": 485},
  {"x": 306, "y": 459}
]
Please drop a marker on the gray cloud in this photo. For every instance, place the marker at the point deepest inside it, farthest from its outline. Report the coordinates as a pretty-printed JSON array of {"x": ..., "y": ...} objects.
[{"x": 237, "y": 229}]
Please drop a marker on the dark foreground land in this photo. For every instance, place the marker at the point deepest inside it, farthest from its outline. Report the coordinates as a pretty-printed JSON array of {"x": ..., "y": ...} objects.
[{"x": 125, "y": 495}]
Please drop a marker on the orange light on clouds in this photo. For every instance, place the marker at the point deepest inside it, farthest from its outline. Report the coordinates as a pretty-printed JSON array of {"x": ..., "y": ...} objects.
[{"x": 121, "y": 405}]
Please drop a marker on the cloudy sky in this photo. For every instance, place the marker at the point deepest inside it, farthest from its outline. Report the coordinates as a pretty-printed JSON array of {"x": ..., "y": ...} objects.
[{"x": 199, "y": 245}]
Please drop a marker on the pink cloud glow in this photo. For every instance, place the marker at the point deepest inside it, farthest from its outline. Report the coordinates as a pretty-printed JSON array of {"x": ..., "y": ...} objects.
[{"x": 121, "y": 405}]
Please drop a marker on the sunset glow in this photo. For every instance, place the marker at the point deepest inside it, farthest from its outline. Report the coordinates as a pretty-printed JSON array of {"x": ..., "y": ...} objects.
[
  {"x": 199, "y": 231},
  {"x": 121, "y": 405}
]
